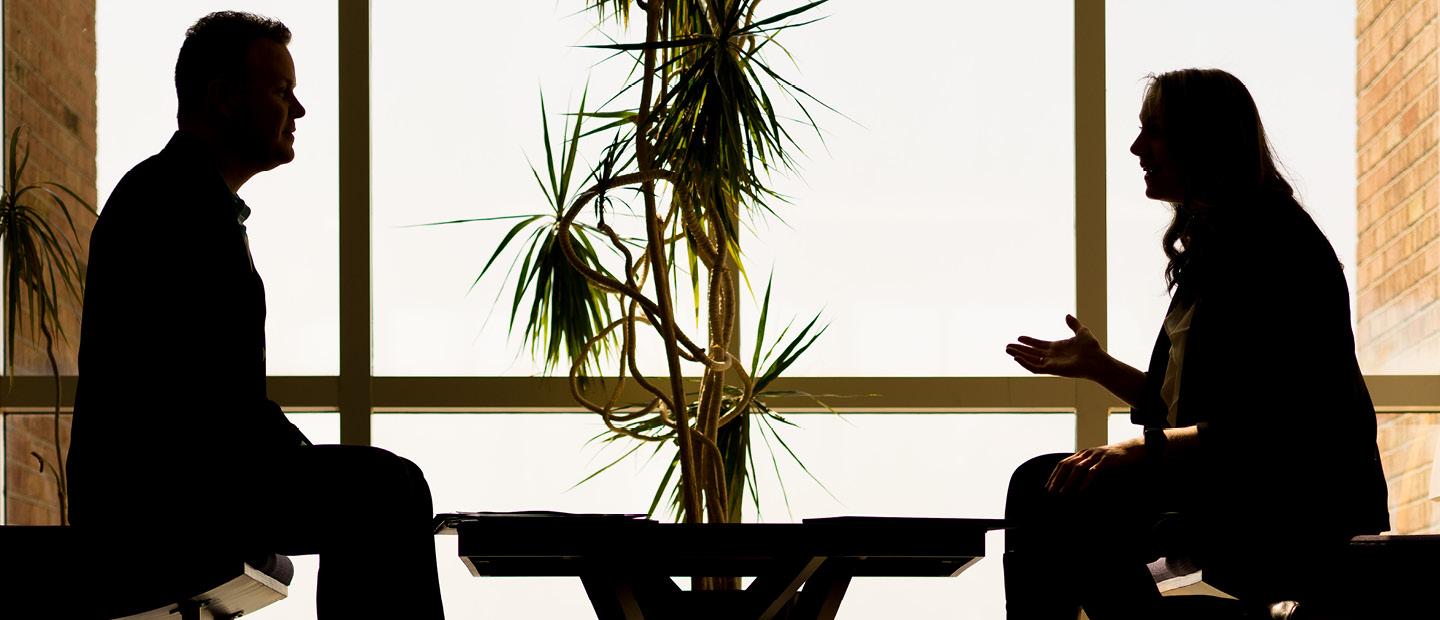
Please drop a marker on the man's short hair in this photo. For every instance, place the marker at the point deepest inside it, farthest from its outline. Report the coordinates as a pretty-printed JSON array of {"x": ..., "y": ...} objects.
[{"x": 215, "y": 48}]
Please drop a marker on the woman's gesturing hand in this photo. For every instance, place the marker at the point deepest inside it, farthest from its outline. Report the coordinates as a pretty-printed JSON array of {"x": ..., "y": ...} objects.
[{"x": 1079, "y": 357}]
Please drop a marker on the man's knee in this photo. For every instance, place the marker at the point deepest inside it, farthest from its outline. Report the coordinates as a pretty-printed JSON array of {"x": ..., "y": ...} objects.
[
  {"x": 398, "y": 479},
  {"x": 401, "y": 472},
  {"x": 400, "y": 467}
]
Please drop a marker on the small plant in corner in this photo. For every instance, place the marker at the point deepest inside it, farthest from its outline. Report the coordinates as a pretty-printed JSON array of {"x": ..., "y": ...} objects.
[{"x": 40, "y": 265}]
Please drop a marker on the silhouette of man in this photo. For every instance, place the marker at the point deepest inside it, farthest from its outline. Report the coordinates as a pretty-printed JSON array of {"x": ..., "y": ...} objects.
[{"x": 172, "y": 292}]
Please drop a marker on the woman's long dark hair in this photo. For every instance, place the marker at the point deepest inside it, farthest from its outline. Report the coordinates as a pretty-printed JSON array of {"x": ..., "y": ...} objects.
[{"x": 1214, "y": 136}]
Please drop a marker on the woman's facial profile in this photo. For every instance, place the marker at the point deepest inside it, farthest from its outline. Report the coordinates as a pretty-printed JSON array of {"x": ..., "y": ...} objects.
[{"x": 1162, "y": 179}]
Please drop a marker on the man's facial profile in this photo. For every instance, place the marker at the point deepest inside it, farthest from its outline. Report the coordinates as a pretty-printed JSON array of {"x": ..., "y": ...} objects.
[{"x": 264, "y": 107}]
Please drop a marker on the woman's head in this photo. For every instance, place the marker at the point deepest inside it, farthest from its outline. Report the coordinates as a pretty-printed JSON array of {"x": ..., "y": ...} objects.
[
  {"x": 1212, "y": 144},
  {"x": 1204, "y": 150}
]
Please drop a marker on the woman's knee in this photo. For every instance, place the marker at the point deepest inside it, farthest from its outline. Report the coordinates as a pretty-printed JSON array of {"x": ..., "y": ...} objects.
[
  {"x": 1027, "y": 495},
  {"x": 1034, "y": 473}
]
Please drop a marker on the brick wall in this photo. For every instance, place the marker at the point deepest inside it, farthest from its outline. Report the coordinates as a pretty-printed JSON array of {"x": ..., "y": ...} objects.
[
  {"x": 49, "y": 65},
  {"x": 30, "y": 495},
  {"x": 1398, "y": 211},
  {"x": 1407, "y": 446}
]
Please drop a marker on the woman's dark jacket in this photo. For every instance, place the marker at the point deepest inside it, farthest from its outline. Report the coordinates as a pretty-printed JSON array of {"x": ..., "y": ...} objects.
[{"x": 1287, "y": 427}]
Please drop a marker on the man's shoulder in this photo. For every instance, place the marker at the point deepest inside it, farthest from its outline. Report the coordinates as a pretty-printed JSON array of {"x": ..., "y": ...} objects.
[{"x": 161, "y": 187}]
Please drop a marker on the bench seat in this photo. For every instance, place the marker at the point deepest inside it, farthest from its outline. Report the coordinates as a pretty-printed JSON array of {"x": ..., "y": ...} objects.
[{"x": 66, "y": 572}]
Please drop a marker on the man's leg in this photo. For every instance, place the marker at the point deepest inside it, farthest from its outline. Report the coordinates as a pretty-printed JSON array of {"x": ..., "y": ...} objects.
[
  {"x": 368, "y": 514},
  {"x": 1065, "y": 552}
]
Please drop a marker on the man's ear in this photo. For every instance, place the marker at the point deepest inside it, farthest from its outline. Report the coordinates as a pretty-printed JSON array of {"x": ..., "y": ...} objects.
[{"x": 218, "y": 94}]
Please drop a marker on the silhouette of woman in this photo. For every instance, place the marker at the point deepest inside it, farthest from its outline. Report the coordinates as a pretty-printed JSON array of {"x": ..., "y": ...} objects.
[{"x": 1259, "y": 458}]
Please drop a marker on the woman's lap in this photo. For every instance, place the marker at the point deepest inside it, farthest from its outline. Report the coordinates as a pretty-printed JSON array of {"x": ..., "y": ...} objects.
[{"x": 1124, "y": 521}]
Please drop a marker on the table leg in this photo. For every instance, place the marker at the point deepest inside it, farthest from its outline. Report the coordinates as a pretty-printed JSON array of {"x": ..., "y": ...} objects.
[
  {"x": 773, "y": 591},
  {"x": 613, "y": 599},
  {"x": 820, "y": 600},
  {"x": 630, "y": 597}
]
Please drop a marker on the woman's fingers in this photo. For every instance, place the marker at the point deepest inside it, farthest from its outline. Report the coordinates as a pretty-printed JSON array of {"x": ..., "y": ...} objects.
[
  {"x": 1073, "y": 323},
  {"x": 1092, "y": 472},
  {"x": 1036, "y": 342},
  {"x": 1072, "y": 474},
  {"x": 1022, "y": 350},
  {"x": 1061, "y": 472},
  {"x": 1030, "y": 366},
  {"x": 1078, "y": 479}
]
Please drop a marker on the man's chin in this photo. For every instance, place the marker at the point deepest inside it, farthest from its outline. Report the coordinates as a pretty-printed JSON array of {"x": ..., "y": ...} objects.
[{"x": 282, "y": 156}]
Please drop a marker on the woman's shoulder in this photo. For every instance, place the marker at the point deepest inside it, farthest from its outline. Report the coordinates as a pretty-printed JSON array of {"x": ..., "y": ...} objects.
[
  {"x": 1272, "y": 247},
  {"x": 1274, "y": 230}
]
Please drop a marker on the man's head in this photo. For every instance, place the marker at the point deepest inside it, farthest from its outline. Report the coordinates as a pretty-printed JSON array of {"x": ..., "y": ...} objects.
[{"x": 236, "y": 83}]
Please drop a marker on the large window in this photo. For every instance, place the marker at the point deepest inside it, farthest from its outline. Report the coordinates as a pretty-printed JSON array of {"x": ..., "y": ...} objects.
[{"x": 979, "y": 169}]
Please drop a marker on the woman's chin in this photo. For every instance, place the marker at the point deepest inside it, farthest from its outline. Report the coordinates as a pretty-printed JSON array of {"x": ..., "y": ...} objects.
[{"x": 1158, "y": 194}]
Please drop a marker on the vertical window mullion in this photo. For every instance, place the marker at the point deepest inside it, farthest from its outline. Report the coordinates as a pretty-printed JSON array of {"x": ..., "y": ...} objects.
[
  {"x": 355, "y": 282},
  {"x": 1092, "y": 410}
]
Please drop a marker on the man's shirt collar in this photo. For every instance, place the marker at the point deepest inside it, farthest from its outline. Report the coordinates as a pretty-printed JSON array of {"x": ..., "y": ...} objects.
[
  {"x": 193, "y": 152},
  {"x": 242, "y": 210}
]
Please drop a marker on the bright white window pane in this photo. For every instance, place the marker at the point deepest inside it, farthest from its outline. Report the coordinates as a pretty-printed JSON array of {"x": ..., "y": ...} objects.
[
  {"x": 958, "y": 218},
  {"x": 320, "y": 428},
  {"x": 452, "y": 130},
  {"x": 940, "y": 223},
  {"x": 294, "y": 228},
  {"x": 1302, "y": 75},
  {"x": 1120, "y": 427},
  {"x": 446, "y": 149},
  {"x": 876, "y": 464}
]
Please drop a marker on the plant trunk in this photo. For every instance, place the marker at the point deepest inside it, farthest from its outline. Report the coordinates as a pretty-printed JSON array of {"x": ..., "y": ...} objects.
[
  {"x": 654, "y": 13},
  {"x": 62, "y": 490}
]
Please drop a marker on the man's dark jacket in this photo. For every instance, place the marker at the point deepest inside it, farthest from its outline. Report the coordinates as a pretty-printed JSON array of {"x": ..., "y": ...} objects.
[
  {"x": 1287, "y": 427},
  {"x": 171, "y": 404}
]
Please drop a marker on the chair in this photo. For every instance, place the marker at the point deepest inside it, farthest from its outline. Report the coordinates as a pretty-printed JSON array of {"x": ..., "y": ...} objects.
[{"x": 1385, "y": 576}]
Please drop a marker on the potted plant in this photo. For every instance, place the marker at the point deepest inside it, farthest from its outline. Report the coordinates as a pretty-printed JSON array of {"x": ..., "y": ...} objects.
[
  {"x": 660, "y": 212},
  {"x": 41, "y": 264}
]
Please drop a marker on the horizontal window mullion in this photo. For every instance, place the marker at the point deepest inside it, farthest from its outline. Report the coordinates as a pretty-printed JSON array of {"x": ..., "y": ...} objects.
[{"x": 877, "y": 394}]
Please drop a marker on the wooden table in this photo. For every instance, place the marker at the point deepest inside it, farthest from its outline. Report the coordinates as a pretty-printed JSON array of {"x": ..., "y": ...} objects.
[{"x": 626, "y": 563}]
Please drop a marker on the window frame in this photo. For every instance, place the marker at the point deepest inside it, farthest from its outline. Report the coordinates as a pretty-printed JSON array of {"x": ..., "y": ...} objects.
[{"x": 357, "y": 393}]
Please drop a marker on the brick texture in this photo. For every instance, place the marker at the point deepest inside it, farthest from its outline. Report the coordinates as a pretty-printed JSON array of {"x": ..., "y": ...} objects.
[
  {"x": 30, "y": 494},
  {"x": 1398, "y": 220},
  {"x": 1407, "y": 445},
  {"x": 49, "y": 65}
]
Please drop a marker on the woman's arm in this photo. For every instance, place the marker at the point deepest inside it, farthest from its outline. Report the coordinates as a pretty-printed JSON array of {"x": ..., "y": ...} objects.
[
  {"x": 1076, "y": 472},
  {"x": 1123, "y": 380},
  {"x": 1079, "y": 357}
]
